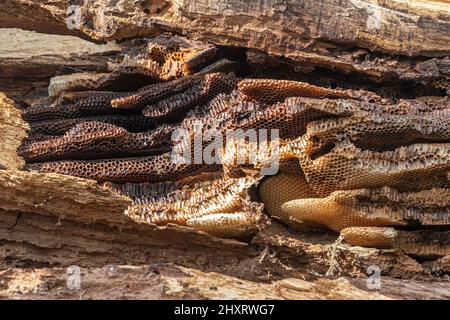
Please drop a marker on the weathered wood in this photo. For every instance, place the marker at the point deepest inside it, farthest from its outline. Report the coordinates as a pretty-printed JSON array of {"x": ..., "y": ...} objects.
[
  {"x": 327, "y": 33},
  {"x": 53, "y": 219},
  {"x": 49, "y": 221},
  {"x": 28, "y": 60}
]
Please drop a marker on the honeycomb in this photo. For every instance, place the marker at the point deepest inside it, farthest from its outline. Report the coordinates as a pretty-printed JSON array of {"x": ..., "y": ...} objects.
[
  {"x": 57, "y": 127},
  {"x": 281, "y": 188},
  {"x": 371, "y": 207},
  {"x": 201, "y": 90},
  {"x": 373, "y": 169},
  {"x": 225, "y": 225},
  {"x": 170, "y": 59},
  {"x": 415, "y": 167}
]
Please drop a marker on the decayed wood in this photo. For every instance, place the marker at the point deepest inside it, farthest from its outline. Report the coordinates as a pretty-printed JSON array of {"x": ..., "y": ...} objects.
[
  {"x": 12, "y": 132},
  {"x": 87, "y": 201},
  {"x": 28, "y": 60},
  {"x": 49, "y": 220},
  {"x": 327, "y": 33},
  {"x": 53, "y": 219},
  {"x": 53, "y": 241},
  {"x": 167, "y": 281}
]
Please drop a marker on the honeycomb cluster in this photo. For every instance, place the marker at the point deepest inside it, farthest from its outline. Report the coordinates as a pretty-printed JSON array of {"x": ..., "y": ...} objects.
[
  {"x": 96, "y": 139},
  {"x": 57, "y": 127},
  {"x": 201, "y": 90},
  {"x": 153, "y": 93},
  {"x": 213, "y": 204},
  {"x": 349, "y": 160},
  {"x": 96, "y": 103},
  {"x": 421, "y": 243},
  {"x": 162, "y": 58},
  {"x": 416, "y": 167}
]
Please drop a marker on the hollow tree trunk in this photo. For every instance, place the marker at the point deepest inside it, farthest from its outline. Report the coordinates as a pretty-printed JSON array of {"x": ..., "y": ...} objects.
[{"x": 49, "y": 221}]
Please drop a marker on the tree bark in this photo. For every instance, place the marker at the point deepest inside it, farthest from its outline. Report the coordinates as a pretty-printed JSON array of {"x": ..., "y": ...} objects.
[
  {"x": 29, "y": 60},
  {"x": 166, "y": 281},
  {"x": 49, "y": 221}
]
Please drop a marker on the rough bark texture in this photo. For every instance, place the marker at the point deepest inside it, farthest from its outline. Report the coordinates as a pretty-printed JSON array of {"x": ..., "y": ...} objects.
[{"x": 49, "y": 222}]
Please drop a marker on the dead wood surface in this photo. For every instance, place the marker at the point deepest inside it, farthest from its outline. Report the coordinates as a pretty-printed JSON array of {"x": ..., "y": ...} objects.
[
  {"x": 338, "y": 35},
  {"x": 167, "y": 281},
  {"x": 49, "y": 222},
  {"x": 28, "y": 60}
]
